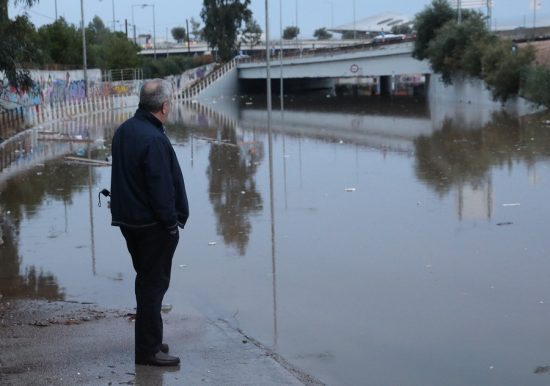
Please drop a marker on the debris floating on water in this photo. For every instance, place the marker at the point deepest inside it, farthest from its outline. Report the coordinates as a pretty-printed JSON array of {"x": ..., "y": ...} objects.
[
  {"x": 512, "y": 204},
  {"x": 504, "y": 223},
  {"x": 211, "y": 243},
  {"x": 349, "y": 189},
  {"x": 166, "y": 308}
]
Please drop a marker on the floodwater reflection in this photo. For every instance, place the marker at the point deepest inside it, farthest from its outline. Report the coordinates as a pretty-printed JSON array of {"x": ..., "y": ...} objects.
[{"x": 364, "y": 241}]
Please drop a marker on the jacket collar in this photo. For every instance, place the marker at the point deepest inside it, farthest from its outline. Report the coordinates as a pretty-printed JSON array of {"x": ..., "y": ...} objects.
[{"x": 146, "y": 115}]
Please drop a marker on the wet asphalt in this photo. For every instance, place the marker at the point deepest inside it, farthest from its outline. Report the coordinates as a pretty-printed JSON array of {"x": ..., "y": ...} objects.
[{"x": 60, "y": 343}]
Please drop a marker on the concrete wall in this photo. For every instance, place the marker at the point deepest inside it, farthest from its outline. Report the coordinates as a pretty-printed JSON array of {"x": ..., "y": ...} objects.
[
  {"x": 54, "y": 87},
  {"x": 226, "y": 86}
]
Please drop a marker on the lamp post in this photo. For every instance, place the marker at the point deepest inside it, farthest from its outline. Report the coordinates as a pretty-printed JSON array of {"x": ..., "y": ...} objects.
[
  {"x": 354, "y": 23},
  {"x": 154, "y": 26},
  {"x": 84, "y": 60},
  {"x": 133, "y": 23},
  {"x": 114, "y": 19}
]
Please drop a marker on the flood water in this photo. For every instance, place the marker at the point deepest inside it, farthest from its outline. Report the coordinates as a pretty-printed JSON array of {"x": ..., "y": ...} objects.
[{"x": 368, "y": 242}]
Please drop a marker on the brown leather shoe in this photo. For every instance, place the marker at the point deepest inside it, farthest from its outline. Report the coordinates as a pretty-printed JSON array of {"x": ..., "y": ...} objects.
[
  {"x": 158, "y": 359},
  {"x": 164, "y": 348}
]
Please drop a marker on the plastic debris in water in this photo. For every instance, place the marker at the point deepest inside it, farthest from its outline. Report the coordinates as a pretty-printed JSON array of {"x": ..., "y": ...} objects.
[
  {"x": 183, "y": 265},
  {"x": 512, "y": 204},
  {"x": 211, "y": 243},
  {"x": 349, "y": 190},
  {"x": 166, "y": 308}
]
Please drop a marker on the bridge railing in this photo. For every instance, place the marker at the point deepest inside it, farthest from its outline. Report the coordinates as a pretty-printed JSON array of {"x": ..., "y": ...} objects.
[
  {"x": 370, "y": 45},
  {"x": 203, "y": 83}
]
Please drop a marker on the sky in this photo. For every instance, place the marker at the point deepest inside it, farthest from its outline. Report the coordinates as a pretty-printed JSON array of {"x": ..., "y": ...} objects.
[{"x": 310, "y": 14}]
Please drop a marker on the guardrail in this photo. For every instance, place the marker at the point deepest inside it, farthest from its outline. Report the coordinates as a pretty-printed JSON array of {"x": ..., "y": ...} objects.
[{"x": 203, "y": 83}]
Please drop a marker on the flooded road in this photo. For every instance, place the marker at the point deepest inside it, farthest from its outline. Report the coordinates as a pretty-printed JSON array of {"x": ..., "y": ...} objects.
[{"x": 373, "y": 243}]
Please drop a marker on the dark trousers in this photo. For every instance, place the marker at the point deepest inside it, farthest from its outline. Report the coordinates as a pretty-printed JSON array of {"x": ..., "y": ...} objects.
[{"x": 152, "y": 250}]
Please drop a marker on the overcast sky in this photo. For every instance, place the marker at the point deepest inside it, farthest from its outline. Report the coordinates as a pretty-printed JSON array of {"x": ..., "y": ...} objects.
[{"x": 311, "y": 14}]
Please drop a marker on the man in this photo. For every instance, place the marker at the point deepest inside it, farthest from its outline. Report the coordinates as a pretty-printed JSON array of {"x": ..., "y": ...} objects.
[{"x": 148, "y": 203}]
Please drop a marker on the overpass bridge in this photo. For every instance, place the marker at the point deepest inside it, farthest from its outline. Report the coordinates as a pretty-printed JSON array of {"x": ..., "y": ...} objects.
[
  {"x": 371, "y": 60},
  {"x": 320, "y": 68}
]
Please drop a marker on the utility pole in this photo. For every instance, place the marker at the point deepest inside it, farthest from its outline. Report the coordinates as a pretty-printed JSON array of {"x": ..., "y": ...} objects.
[
  {"x": 187, "y": 30},
  {"x": 85, "y": 64}
]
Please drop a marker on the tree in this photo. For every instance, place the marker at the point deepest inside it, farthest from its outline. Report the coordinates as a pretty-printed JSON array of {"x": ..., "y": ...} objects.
[
  {"x": 503, "y": 68},
  {"x": 196, "y": 30},
  {"x": 61, "y": 43},
  {"x": 322, "y": 34},
  {"x": 252, "y": 33},
  {"x": 223, "y": 22},
  {"x": 458, "y": 48},
  {"x": 427, "y": 24},
  {"x": 4, "y": 7},
  {"x": 115, "y": 52},
  {"x": 291, "y": 32},
  {"x": 179, "y": 34},
  {"x": 96, "y": 32},
  {"x": 537, "y": 85},
  {"x": 16, "y": 44}
]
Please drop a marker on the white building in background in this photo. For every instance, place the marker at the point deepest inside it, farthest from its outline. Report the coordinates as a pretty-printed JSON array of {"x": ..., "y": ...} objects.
[{"x": 374, "y": 25}]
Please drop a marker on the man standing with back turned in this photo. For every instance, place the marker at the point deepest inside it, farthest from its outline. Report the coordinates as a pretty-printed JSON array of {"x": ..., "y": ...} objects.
[{"x": 148, "y": 203}]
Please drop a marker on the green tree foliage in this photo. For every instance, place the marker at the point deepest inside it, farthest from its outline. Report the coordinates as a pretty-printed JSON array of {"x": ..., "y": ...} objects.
[
  {"x": 537, "y": 85},
  {"x": 60, "y": 43},
  {"x": 179, "y": 34},
  {"x": 252, "y": 34},
  {"x": 322, "y": 34},
  {"x": 16, "y": 44},
  {"x": 223, "y": 21},
  {"x": 457, "y": 49},
  {"x": 171, "y": 65},
  {"x": 291, "y": 32},
  {"x": 427, "y": 24},
  {"x": 503, "y": 68},
  {"x": 196, "y": 30},
  {"x": 97, "y": 32},
  {"x": 115, "y": 52},
  {"x": 468, "y": 49},
  {"x": 107, "y": 49},
  {"x": 4, "y": 7}
]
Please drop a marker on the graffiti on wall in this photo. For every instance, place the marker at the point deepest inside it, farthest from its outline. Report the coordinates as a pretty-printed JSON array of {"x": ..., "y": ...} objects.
[
  {"x": 187, "y": 78},
  {"x": 54, "y": 87}
]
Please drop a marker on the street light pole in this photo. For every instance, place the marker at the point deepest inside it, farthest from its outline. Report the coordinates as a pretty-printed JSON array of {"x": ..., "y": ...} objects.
[
  {"x": 187, "y": 30},
  {"x": 354, "y": 23},
  {"x": 134, "y": 24},
  {"x": 154, "y": 34},
  {"x": 154, "y": 26},
  {"x": 113, "y": 5},
  {"x": 85, "y": 65}
]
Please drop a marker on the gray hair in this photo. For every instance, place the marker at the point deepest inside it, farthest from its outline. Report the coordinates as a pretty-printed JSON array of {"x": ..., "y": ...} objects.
[{"x": 154, "y": 93}]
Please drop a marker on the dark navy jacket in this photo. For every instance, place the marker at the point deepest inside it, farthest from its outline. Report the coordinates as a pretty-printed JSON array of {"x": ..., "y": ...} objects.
[{"x": 147, "y": 187}]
